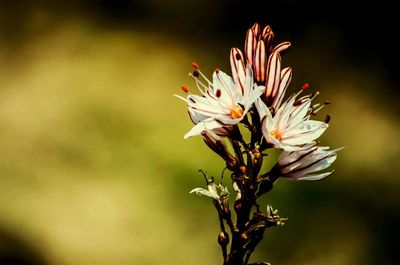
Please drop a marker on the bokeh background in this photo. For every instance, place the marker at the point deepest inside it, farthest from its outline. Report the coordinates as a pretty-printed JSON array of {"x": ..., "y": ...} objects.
[{"x": 93, "y": 165}]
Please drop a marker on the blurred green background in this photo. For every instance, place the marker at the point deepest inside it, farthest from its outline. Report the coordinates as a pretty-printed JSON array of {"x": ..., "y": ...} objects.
[{"x": 93, "y": 165}]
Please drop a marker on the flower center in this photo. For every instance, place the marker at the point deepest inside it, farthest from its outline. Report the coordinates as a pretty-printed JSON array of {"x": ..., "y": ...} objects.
[
  {"x": 276, "y": 134},
  {"x": 236, "y": 112}
]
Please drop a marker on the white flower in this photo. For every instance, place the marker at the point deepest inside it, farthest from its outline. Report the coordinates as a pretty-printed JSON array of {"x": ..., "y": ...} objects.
[
  {"x": 290, "y": 127},
  {"x": 302, "y": 164},
  {"x": 223, "y": 103},
  {"x": 212, "y": 191}
]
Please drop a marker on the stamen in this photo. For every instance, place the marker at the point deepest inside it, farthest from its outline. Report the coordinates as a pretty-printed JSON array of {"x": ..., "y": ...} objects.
[
  {"x": 195, "y": 65},
  {"x": 305, "y": 86},
  {"x": 196, "y": 73},
  {"x": 185, "y": 89},
  {"x": 236, "y": 112},
  {"x": 200, "y": 86},
  {"x": 204, "y": 77},
  {"x": 327, "y": 118},
  {"x": 298, "y": 102},
  {"x": 318, "y": 109},
  {"x": 218, "y": 93},
  {"x": 327, "y": 102},
  {"x": 315, "y": 105},
  {"x": 314, "y": 95}
]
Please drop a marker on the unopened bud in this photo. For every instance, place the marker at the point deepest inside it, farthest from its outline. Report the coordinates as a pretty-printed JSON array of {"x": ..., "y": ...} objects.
[
  {"x": 267, "y": 182},
  {"x": 225, "y": 207},
  {"x": 223, "y": 238},
  {"x": 238, "y": 205},
  {"x": 218, "y": 146}
]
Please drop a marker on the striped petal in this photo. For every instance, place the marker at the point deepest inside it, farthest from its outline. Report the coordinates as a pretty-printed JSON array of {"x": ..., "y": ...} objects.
[
  {"x": 282, "y": 47},
  {"x": 260, "y": 62},
  {"x": 250, "y": 45},
  {"x": 286, "y": 77},
  {"x": 238, "y": 68},
  {"x": 273, "y": 75}
]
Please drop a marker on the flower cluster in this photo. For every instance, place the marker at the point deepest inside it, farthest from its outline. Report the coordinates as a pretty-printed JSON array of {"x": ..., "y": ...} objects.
[{"x": 255, "y": 96}]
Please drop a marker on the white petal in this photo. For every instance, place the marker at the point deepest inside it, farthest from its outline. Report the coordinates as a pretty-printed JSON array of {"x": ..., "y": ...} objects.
[
  {"x": 208, "y": 124},
  {"x": 201, "y": 191},
  {"x": 298, "y": 114},
  {"x": 305, "y": 133},
  {"x": 311, "y": 177},
  {"x": 225, "y": 83},
  {"x": 237, "y": 67},
  {"x": 286, "y": 77},
  {"x": 262, "y": 109},
  {"x": 287, "y": 158},
  {"x": 317, "y": 166},
  {"x": 195, "y": 116}
]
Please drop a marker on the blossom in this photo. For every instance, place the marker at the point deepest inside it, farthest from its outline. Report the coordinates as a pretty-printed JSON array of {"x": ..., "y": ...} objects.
[
  {"x": 212, "y": 191},
  {"x": 302, "y": 164},
  {"x": 265, "y": 60},
  {"x": 290, "y": 127},
  {"x": 222, "y": 104}
]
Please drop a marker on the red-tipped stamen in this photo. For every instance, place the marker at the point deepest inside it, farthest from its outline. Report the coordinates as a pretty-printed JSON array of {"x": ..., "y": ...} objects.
[
  {"x": 195, "y": 65},
  {"x": 305, "y": 86},
  {"x": 185, "y": 89},
  {"x": 298, "y": 102}
]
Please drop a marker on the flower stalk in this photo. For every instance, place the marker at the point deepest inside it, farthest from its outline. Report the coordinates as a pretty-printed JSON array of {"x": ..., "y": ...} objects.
[{"x": 253, "y": 99}]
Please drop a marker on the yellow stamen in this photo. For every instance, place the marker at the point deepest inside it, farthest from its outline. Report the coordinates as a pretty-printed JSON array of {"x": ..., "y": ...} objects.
[{"x": 236, "y": 112}]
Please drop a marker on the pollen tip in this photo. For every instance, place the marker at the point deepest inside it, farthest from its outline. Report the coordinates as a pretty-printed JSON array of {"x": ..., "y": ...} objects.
[
  {"x": 185, "y": 89},
  {"x": 298, "y": 102},
  {"x": 195, "y": 65},
  {"x": 217, "y": 69},
  {"x": 327, "y": 102},
  {"x": 218, "y": 93},
  {"x": 196, "y": 73},
  {"x": 305, "y": 86},
  {"x": 327, "y": 118}
]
